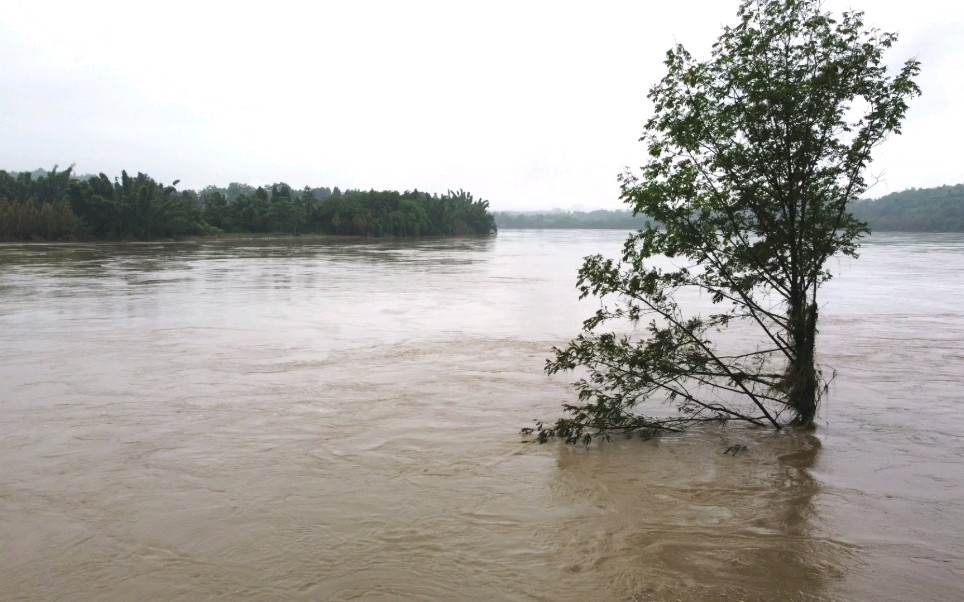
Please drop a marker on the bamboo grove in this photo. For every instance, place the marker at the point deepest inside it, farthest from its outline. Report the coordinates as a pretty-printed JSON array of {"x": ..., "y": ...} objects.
[{"x": 57, "y": 205}]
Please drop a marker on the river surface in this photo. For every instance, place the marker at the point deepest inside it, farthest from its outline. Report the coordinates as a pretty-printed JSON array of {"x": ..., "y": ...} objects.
[{"x": 338, "y": 420}]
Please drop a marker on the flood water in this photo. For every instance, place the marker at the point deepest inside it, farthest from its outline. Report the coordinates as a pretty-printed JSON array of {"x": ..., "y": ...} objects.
[{"x": 338, "y": 420}]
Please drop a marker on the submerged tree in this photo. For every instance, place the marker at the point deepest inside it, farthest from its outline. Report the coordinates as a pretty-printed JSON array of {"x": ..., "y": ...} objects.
[{"x": 754, "y": 158}]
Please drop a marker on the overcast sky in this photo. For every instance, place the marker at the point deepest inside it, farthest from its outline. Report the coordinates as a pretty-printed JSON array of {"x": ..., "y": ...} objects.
[{"x": 532, "y": 105}]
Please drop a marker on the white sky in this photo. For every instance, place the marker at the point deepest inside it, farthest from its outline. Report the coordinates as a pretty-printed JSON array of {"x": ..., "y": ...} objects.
[{"x": 532, "y": 105}]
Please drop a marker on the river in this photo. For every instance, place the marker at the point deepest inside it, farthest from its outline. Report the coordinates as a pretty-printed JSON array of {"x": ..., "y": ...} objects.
[{"x": 339, "y": 420}]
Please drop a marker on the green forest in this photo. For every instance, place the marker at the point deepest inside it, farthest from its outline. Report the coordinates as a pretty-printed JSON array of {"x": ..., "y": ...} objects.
[
  {"x": 939, "y": 209},
  {"x": 58, "y": 205}
]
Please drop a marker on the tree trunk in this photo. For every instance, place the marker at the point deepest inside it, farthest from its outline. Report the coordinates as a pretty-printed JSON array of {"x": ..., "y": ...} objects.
[{"x": 801, "y": 378}]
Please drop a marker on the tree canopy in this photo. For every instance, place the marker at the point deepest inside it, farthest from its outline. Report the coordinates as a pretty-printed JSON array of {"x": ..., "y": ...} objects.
[{"x": 754, "y": 158}]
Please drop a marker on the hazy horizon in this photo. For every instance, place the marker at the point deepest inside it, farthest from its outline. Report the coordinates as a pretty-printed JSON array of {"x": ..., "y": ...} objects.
[
  {"x": 570, "y": 208},
  {"x": 532, "y": 106}
]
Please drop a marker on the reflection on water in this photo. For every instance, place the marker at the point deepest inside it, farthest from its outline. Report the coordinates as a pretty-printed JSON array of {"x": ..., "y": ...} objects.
[
  {"x": 686, "y": 521},
  {"x": 331, "y": 419}
]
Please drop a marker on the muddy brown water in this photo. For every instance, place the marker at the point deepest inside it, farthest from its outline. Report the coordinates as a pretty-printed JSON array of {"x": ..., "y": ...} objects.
[{"x": 338, "y": 420}]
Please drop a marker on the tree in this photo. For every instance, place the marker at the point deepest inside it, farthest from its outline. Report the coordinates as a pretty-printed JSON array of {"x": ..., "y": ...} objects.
[{"x": 754, "y": 157}]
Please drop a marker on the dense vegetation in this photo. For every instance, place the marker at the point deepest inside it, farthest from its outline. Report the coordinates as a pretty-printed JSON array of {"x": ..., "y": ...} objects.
[
  {"x": 939, "y": 209},
  {"x": 56, "y": 205}
]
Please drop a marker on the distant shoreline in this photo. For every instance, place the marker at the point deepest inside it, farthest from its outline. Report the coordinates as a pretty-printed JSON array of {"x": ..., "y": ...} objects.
[
  {"x": 933, "y": 210},
  {"x": 237, "y": 237}
]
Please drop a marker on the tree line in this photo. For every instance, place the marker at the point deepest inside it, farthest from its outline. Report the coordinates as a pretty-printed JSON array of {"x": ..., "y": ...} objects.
[
  {"x": 939, "y": 209},
  {"x": 56, "y": 205}
]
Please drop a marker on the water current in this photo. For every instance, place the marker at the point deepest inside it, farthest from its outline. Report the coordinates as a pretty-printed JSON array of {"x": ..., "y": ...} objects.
[{"x": 338, "y": 420}]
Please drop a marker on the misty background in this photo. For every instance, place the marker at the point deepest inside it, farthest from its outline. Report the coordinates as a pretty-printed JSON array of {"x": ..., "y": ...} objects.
[{"x": 532, "y": 105}]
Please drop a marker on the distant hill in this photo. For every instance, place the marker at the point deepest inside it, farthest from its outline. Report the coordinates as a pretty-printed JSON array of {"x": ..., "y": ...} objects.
[{"x": 939, "y": 209}]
